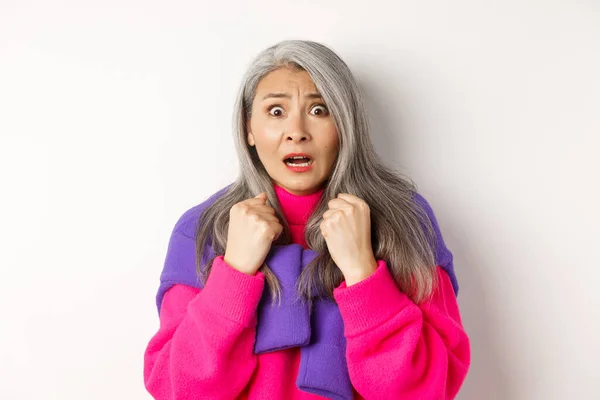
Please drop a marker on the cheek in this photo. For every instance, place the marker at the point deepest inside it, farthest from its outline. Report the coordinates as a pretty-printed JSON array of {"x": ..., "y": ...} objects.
[
  {"x": 267, "y": 141},
  {"x": 263, "y": 132},
  {"x": 267, "y": 147}
]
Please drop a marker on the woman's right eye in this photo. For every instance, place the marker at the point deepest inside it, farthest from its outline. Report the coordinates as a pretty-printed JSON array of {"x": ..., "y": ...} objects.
[{"x": 276, "y": 111}]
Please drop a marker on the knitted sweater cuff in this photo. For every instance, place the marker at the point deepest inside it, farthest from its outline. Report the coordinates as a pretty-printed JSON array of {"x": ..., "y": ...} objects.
[
  {"x": 233, "y": 294},
  {"x": 371, "y": 302}
]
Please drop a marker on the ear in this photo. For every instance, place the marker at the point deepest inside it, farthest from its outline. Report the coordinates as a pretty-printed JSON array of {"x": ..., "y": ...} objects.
[{"x": 250, "y": 138}]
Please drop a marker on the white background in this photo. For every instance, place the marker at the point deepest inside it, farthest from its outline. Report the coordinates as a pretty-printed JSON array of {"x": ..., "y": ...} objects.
[{"x": 115, "y": 118}]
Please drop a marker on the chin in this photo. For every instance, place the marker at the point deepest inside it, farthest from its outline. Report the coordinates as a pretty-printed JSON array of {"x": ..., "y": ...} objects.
[
  {"x": 306, "y": 189},
  {"x": 306, "y": 185}
]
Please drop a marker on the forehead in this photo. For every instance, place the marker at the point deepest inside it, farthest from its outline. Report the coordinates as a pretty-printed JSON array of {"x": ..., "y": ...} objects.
[{"x": 284, "y": 80}]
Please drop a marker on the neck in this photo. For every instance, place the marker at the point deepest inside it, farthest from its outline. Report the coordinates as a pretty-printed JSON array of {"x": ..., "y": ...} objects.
[{"x": 297, "y": 209}]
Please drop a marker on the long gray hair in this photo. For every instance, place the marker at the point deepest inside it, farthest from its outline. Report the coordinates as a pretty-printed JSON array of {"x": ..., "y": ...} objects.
[{"x": 401, "y": 232}]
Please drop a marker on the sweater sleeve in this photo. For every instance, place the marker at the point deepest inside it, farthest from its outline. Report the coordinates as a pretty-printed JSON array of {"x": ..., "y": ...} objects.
[
  {"x": 204, "y": 346},
  {"x": 398, "y": 349}
]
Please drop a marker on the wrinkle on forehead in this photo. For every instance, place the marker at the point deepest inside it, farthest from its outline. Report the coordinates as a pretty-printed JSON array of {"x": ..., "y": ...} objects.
[{"x": 286, "y": 80}]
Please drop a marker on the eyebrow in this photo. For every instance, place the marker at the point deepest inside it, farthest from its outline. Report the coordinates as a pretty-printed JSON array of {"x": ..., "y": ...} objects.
[{"x": 289, "y": 96}]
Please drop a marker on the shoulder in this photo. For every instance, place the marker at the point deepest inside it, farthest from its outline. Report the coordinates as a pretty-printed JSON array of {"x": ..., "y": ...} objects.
[
  {"x": 443, "y": 256},
  {"x": 187, "y": 222},
  {"x": 180, "y": 261},
  {"x": 420, "y": 200},
  {"x": 424, "y": 204}
]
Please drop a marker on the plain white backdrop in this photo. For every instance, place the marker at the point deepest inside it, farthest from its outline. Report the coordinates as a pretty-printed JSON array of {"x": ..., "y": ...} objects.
[{"x": 115, "y": 118}]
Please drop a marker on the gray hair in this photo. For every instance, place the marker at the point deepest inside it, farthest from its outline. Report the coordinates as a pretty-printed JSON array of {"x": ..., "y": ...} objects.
[{"x": 401, "y": 232}]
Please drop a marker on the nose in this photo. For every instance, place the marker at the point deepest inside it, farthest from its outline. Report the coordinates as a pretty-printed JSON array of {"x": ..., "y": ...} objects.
[{"x": 296, "y": 128}]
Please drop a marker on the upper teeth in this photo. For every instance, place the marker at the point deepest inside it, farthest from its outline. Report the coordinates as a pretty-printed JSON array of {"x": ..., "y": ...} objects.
[{"x": 305, "y": 164}]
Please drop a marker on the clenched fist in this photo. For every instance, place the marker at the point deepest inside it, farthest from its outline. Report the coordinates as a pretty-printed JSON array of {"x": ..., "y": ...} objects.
[
  {"x": 346, "y": 228},
  {"x": 253, "y": 226}
]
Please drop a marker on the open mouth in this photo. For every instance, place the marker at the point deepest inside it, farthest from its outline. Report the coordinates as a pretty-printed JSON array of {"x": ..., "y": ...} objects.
[{"x": 298, "y": 161}]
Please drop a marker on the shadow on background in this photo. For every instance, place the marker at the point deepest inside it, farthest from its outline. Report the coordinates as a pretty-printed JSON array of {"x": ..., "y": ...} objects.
[{"x": 389, "y": 113}]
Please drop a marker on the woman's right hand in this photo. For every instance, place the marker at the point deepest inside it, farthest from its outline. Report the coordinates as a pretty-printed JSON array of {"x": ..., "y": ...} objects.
[{"x": 253, "y": 226}]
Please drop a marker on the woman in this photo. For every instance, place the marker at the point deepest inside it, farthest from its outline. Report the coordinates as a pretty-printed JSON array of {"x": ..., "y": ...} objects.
[{"x": 318, "y": 273}]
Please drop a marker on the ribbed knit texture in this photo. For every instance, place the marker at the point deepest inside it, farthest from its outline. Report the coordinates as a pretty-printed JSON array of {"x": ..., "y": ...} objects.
[
  {"x": 222, "y": 286},
  {"x": 296, "y": 210}
]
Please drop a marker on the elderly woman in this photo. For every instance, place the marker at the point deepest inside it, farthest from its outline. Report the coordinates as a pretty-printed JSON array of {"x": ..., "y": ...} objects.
[{"x": 319, "y": 272}]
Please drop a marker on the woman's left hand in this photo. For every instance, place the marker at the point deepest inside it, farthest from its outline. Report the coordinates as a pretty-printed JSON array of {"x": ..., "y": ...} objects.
[{"x": 346, "y": 227}]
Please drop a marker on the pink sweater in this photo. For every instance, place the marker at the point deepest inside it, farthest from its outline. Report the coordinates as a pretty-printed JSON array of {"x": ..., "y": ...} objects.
[{"x": 394, "y": 347}]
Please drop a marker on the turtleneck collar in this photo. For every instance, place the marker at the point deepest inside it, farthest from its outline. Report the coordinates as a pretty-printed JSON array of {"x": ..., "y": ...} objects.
[{"x": 297, "y": 208}]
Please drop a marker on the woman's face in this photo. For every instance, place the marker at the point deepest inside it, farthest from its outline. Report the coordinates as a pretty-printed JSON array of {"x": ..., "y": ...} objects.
[{"x": 289, "y": 116}]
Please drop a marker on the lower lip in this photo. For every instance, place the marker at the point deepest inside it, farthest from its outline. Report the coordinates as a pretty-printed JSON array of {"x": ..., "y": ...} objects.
[{"x": 299, "y": 169}]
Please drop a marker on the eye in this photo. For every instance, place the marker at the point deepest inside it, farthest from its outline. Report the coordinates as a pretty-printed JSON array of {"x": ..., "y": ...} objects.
[
  {"x": 319, "y": 109},
  {"x": 276, "y": 111}
]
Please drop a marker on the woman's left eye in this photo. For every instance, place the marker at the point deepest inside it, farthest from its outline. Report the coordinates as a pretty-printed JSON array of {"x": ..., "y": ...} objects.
[{"x": 319, "y": 110}]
